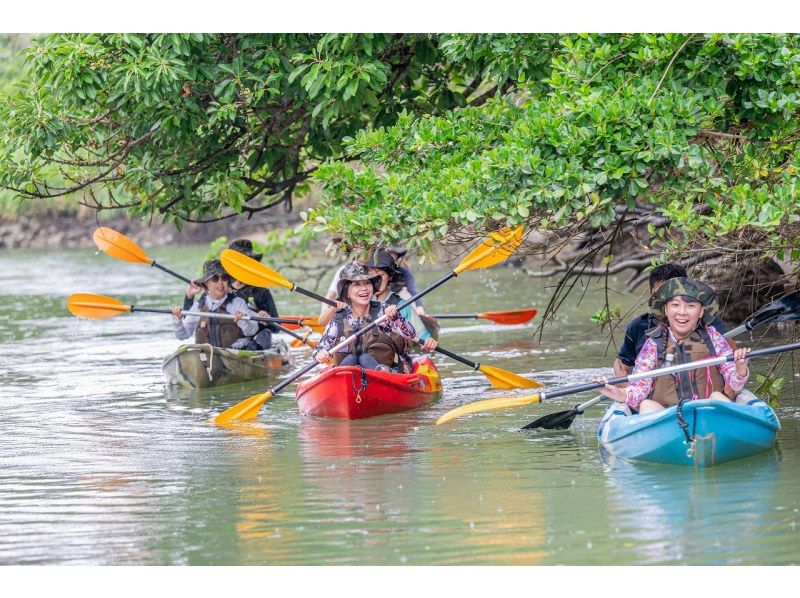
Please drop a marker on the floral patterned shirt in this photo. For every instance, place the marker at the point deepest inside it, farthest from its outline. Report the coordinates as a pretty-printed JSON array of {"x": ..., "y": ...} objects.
[
  {"x": 331, "y": 335},
  {"x": 639, "y": 390}
]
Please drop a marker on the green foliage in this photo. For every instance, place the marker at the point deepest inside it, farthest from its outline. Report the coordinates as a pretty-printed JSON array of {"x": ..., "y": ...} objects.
[
  {"x": 194, "y": 125},
  {"x": 769, "y": 388},
  {"x": 703, "y": 128},
  {"x": 607, "y": 316}
]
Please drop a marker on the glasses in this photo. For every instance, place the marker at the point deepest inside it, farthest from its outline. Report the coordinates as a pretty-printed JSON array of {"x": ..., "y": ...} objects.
[{"x": 220, "y": 278}]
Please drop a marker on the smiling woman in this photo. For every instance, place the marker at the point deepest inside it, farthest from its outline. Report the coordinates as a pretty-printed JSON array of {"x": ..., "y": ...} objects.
[{"x": 685, "y": 307}]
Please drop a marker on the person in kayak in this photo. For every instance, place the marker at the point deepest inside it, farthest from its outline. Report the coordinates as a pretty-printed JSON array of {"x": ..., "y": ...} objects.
[
  {"x": 403, "y": 277},
  {"x": 635, "y": 334},
  {"x": 383, "y": 264},
  {"x": 684, "y": 308},
  {"x": 377, "y": 349},
  {"x": 258, "y": 299},
  {"x": 216, "y": 298}
]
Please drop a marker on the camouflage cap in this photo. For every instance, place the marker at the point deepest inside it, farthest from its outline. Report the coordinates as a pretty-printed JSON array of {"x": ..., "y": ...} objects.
[
  {"x": 352, "y": 272},
  {"x": 212, "y": 268},
  {"x": 686, "y": 287}
]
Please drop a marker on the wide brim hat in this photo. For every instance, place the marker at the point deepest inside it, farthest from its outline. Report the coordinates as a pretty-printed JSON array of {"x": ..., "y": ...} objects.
[
  {"x": 245, "y": 246},
  {"x": 352, "y": 272},
  {"x": 211, "y": 268},
  {"x": 686, "y": 287}
]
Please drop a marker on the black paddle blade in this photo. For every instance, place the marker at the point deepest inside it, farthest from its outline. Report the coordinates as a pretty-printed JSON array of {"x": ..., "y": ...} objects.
[{"x": 555, "y": 421}]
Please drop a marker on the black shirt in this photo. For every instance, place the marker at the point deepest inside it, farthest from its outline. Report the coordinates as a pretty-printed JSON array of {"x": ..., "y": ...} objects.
[{"x": 635, "y": 336}]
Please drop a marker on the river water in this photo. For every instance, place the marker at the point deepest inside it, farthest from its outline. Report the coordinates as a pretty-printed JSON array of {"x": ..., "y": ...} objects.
[{"x": 101, "y": 464}]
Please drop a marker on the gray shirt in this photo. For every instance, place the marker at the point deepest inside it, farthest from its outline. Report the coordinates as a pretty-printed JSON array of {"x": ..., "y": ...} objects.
[{"x": 185, "y": 327}]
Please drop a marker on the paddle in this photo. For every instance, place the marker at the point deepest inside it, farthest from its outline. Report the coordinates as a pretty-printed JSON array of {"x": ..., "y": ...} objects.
[
  {"x": 509, "y": 317},
  {"x": 254, "y": 273},
  {"x": 119, "y": 246},
  {"x": 495, "y": 249},
  {"x": 786, "y": 308},
  {"x": 497, "y": 377},
  {"x": 87, "y": 305},
  {"x": 310, "y": 321},
  {"x": 539, "y": 397}
]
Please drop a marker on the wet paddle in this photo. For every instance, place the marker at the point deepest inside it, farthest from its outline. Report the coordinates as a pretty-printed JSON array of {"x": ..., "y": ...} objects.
[
  {"x": 786, "y": 308},
  {"x": 119, "y": 246},
  {"x": 254, "y": 273},
  {"x": 497, "y": 377},
  {"x": 490, "y": 404},
  {"x": 495, "y": 249},
  {"x": 508, "y": 317}
]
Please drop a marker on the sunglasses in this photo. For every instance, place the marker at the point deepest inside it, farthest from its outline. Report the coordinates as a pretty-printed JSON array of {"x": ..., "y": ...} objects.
[{"x": 219, "y": 277}]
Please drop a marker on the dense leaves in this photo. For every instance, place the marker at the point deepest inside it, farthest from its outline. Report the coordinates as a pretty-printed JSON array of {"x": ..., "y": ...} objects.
[
  {"x": 194, "y": 126},
  {"x": 702, "y": 129}
]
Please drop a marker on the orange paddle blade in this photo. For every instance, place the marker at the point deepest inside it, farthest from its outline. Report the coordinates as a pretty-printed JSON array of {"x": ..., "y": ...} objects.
[
  {"x": 251, "y": 271},
  {"x": 119, "y": 246},
  {"x": 511, "y": 316},
  {"x": 310, "y": 321},
  {"x": 86, "y": 305}
]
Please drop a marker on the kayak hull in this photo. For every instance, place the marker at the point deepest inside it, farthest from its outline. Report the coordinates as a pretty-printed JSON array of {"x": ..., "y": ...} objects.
[
  {"x": 721, "y": 431},
  {"x": 348, "y": 392},
  {"x": 204, "y": 366}
]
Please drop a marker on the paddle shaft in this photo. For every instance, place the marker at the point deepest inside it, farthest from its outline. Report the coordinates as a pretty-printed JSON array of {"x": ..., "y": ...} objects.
[
  {"x": 666, "y": 371},
  {"x": 454, "y": 316},
  {"x": 314, "y": 295},
  {"x": 211, "y": 314},
  {"x": 168, "y": 271},
  {"x": 464, "y": 360}
]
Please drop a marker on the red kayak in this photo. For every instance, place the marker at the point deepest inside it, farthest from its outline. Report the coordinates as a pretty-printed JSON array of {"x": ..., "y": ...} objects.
[{"x": 349, "y": 392}]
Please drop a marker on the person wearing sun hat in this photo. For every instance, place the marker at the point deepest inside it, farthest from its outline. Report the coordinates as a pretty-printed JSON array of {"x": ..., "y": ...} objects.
[
  {"x": 217, "y": 298},
  {"x": 684, "y": 308},
  {"x": 376, "y": 349}
]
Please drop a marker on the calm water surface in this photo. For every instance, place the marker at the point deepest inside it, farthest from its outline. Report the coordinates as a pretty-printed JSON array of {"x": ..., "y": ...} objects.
[{"x": 101, "y": 464}]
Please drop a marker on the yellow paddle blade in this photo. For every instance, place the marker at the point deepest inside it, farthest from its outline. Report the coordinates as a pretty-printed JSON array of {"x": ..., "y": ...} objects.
[
  {"x": 250, "y": 271},
  {"x": 119, "y": 246},
  {"x": 86, "y": 305},
  {"x": 496, "y": 248},
  {"x": 247, "y": 409},
  {"x": 505, "y": 379},
  {"x": 488, "y": 405}
]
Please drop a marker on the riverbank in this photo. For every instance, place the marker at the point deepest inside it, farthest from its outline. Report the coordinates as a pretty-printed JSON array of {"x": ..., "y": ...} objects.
[{"x": 69, "y": 229}]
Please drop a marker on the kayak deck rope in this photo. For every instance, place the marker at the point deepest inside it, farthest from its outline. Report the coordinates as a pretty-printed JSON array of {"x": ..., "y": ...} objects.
[
  {"x": 363, "y": 386},
  {"x": 208, "y": 362}
]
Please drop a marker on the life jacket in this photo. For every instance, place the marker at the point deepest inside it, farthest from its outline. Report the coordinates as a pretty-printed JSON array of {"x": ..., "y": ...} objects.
[
  {"x": 691, "y": 384},
  {"x": 218, "y": 333},
  {"x": 377, "y": 343}
]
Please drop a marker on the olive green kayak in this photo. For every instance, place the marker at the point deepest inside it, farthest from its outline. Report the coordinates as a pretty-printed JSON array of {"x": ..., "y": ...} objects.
[{"x": 204, "y": 366}]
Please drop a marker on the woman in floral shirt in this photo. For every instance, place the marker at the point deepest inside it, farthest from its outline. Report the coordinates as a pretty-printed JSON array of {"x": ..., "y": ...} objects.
[
  {"x": 373, "y": 350},
  {"x": 684, "y": 307}
]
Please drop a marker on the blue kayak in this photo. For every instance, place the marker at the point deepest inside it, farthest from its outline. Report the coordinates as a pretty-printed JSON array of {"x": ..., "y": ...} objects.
[{"x": 721, "y": 431}]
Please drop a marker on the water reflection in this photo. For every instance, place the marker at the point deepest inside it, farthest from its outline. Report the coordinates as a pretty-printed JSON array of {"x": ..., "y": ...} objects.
[{"x": 671, "y": 514}]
